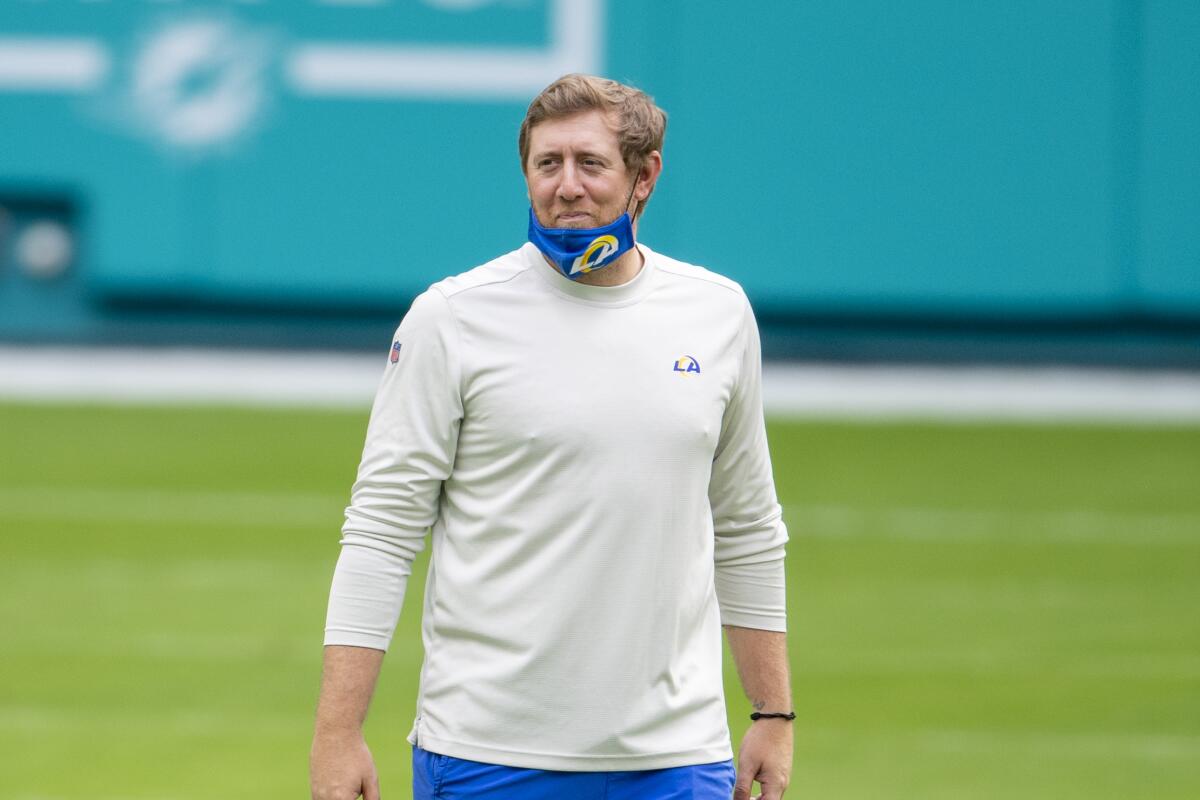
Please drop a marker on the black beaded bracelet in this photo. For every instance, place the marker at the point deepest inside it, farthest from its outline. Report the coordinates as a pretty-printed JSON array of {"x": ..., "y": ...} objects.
[{"x": 757, "y": 715}]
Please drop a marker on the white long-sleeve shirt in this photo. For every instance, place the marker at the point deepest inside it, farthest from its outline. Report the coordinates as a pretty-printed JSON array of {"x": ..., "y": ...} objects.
[{"x": 593, "y": 464}]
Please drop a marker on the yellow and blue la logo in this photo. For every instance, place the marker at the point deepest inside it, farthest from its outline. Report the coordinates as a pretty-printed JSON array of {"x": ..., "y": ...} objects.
[
  {"x": 598, "y": 251},
  {"x": 687, "y": 364}
]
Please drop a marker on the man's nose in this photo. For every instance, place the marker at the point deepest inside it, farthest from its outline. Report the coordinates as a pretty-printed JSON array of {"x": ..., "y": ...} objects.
[{"x": 569, "y": 185}]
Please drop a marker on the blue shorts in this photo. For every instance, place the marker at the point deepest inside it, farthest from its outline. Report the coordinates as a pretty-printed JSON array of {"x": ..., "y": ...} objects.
[{"x": 438, "y": 777}]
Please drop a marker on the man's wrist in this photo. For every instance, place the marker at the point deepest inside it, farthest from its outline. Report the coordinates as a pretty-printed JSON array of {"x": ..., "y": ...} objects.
[{"x": 337, "y": 729}]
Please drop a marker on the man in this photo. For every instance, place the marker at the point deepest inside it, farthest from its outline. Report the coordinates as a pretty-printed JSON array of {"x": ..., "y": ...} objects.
[{"x": 580, "y": 423}]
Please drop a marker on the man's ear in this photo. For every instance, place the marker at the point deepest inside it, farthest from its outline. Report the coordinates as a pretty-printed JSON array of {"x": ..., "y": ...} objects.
[{"x": 652, "y": 167}]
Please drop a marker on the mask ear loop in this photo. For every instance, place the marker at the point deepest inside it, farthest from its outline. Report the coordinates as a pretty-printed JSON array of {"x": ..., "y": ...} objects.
[{"x": 629, "y": 199}]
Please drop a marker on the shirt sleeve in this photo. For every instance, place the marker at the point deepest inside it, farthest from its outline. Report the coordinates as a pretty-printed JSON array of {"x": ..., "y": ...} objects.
[
  {"x": 747, "y": 518},
  {"x": 410, "y": 447}
]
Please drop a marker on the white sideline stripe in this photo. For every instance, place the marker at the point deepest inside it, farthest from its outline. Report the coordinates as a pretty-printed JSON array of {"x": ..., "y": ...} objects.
[
  {"x": 348, "y": 381},
  {"x": 971, "y": 393},
  {"x": 1090, "y": 744},
  {"x": 52, "y": 64},
  {"x": 340, "y": 69},
  {"x": 176, "y": 720},
  {"x": 995, "y": 659},
  {"x": 248, "y": 509},
  {"x": 1037, "y": 744},
  {"x": 92, "y": 797},
  {"x": 308, "y": 380},
  {"x": 86, "y": 504},
  {"x": 1059, "y": 525}
]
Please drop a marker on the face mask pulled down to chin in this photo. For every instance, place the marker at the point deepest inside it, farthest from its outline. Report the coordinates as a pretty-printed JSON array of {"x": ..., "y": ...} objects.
[{"x": 578, "y": 251}]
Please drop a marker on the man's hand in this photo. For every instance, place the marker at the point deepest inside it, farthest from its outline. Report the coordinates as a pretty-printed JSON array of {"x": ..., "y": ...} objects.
[
  {"x": 765, "y": 756},
  {"x": 341, "y": 767}
]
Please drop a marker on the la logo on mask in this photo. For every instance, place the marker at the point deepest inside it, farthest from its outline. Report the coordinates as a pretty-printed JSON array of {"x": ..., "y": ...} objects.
[{"x": 601, "y": 247}]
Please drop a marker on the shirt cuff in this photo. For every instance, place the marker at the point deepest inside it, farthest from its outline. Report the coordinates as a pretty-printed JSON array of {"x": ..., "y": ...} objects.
[{"x": 753, "y": 595}]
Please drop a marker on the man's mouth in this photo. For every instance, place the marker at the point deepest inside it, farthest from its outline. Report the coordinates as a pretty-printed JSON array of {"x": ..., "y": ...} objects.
[{"x": 573, "y": 216}]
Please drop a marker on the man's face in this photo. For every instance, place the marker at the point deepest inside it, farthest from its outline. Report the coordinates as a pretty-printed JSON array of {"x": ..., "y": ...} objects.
[{"x": 575, "y": 173}]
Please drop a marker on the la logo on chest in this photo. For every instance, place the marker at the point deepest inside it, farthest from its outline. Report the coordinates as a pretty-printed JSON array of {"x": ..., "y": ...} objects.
[{"x": 687, "y": 364}]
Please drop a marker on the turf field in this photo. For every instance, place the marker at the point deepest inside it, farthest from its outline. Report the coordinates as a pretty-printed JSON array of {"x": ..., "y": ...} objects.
[{"x": 977, "y": 612}]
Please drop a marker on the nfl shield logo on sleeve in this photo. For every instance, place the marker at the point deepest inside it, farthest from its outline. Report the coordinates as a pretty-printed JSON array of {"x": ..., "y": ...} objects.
[{"x": 395, "y": 352}]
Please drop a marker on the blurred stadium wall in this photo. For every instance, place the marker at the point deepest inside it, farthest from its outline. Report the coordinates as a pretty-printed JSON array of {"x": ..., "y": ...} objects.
[{"x": 927, "y": 180}]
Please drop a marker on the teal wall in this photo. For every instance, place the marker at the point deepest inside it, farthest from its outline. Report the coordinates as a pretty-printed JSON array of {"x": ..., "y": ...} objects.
[
  {"x": 1164, "y": 209},
  {"x": 1019, "y": 160}
]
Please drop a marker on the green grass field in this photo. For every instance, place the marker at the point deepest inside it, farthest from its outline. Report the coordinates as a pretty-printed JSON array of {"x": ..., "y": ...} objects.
[{"x": 977, "y": 611}]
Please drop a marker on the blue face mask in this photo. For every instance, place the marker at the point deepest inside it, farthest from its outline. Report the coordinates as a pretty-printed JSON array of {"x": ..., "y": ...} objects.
[{"x": 577, "y": 251}]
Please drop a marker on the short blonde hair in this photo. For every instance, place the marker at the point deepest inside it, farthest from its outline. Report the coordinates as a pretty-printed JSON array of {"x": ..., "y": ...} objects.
[{"x": 639, "y": 124}]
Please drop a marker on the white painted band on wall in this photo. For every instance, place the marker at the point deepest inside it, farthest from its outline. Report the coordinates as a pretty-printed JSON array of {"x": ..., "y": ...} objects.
[
  {"x": 52, "y": 64},
  {"x": 383, "y": 71},
  {"x": 340, "y": 69}
]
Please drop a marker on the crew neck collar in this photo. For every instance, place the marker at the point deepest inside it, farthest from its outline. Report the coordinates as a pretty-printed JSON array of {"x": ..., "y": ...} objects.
[{"x": 622, "y": 294}]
